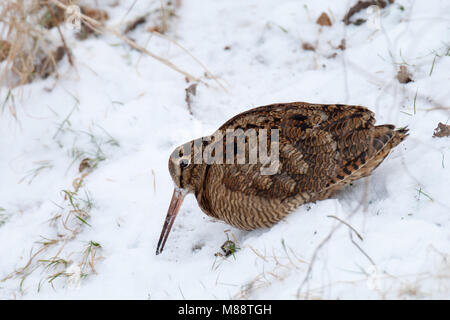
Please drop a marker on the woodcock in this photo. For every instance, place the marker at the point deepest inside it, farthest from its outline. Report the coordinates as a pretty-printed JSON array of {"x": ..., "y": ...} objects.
[{"x": 322, "y": 148}]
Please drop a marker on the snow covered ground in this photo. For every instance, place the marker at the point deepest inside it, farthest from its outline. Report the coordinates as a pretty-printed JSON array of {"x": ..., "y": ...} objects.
[{"x": 95, "y": 237}]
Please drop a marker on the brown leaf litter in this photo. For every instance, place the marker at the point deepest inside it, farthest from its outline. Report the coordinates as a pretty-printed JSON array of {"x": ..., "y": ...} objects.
[
  {"x": 403, "y": 75},
  {"x": 361, "y": 5},
  {"x": 308, "y": 46},
  {"x": 442, "y": 130},
  {"x": 5, "y": 47},
  {"x": 324, "y": 20}
]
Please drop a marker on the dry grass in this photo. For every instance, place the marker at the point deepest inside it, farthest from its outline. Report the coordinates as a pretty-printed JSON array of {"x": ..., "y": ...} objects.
[
  {"x": 281, "y": 267},
  {"x": 30, "y": 49},
  {"x": 59, "y": 256},
  {"x": 100, "y": 28},
  {"x": 31, "y": 44},
  {"x": 51, "y": 256},
  {"x": 26, "y": 45}
]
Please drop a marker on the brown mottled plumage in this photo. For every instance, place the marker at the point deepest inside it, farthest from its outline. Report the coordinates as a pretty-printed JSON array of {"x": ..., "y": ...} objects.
[{"x": 321, "y": 149}]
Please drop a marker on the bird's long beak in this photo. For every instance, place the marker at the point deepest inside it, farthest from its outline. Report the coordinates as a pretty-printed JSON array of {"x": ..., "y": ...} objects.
[{"x": 175, "y": 203}]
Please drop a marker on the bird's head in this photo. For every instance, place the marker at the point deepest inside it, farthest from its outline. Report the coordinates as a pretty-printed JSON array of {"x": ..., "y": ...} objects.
[
  {"x": 181, "y": 165},
  {"x": 182, "y": 170}
]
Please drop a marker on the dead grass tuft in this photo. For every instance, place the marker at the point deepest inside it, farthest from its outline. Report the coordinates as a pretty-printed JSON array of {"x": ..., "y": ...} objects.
[{"x": 27, "y": 49}]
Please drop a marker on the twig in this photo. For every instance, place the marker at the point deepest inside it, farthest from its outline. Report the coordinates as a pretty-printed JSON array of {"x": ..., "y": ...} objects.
[
  {"x": 362, "y": 251},
  {"x": 348, "y": 225},
  {"x": 313, "y": 259},
  {"x": 128, "y": 11},
  {"x": 163, "y": 17}
]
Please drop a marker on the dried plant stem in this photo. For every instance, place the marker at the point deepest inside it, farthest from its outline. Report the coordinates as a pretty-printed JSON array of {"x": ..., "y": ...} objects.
[
  {"x": 321, "y": 244},
  {"x": 192, "y": 56},
  {"x": 63, "y": 40},
  {"x": 361, "y": 249},
  {"x": 347, "y": 224},
  {"x": 98, "y": 27}
]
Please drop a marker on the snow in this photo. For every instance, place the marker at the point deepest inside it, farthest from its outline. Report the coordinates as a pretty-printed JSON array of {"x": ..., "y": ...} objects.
[{"x": 130, "y": 110}]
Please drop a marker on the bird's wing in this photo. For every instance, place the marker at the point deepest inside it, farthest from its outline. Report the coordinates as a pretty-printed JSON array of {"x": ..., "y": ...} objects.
[{"x": 319, "y": 145}]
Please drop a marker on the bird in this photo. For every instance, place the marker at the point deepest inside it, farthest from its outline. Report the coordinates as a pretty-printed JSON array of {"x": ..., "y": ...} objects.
[{"x": 321, "y": 149}]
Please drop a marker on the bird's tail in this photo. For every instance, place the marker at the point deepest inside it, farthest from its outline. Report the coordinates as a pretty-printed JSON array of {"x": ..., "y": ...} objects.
[
  {"x": 399, "y": 135},
  {"x": 387, "y": 137}
]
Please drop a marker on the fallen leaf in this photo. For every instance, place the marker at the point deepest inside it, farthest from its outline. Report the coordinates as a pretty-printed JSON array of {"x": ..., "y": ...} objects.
[
  {"x": 308, "y": 46},
  {"x": 324, "y": 20},
  {"x": 442, "y": 130},
  {"x": 5, "y": 47},
  {"x": 403, "y": 75},
  {"x": 85, "y": 164},
  {"x": 361, "y": 5}
]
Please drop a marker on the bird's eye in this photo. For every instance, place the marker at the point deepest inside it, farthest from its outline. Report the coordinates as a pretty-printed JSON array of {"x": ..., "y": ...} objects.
[{"x": 183, "y": 164}]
